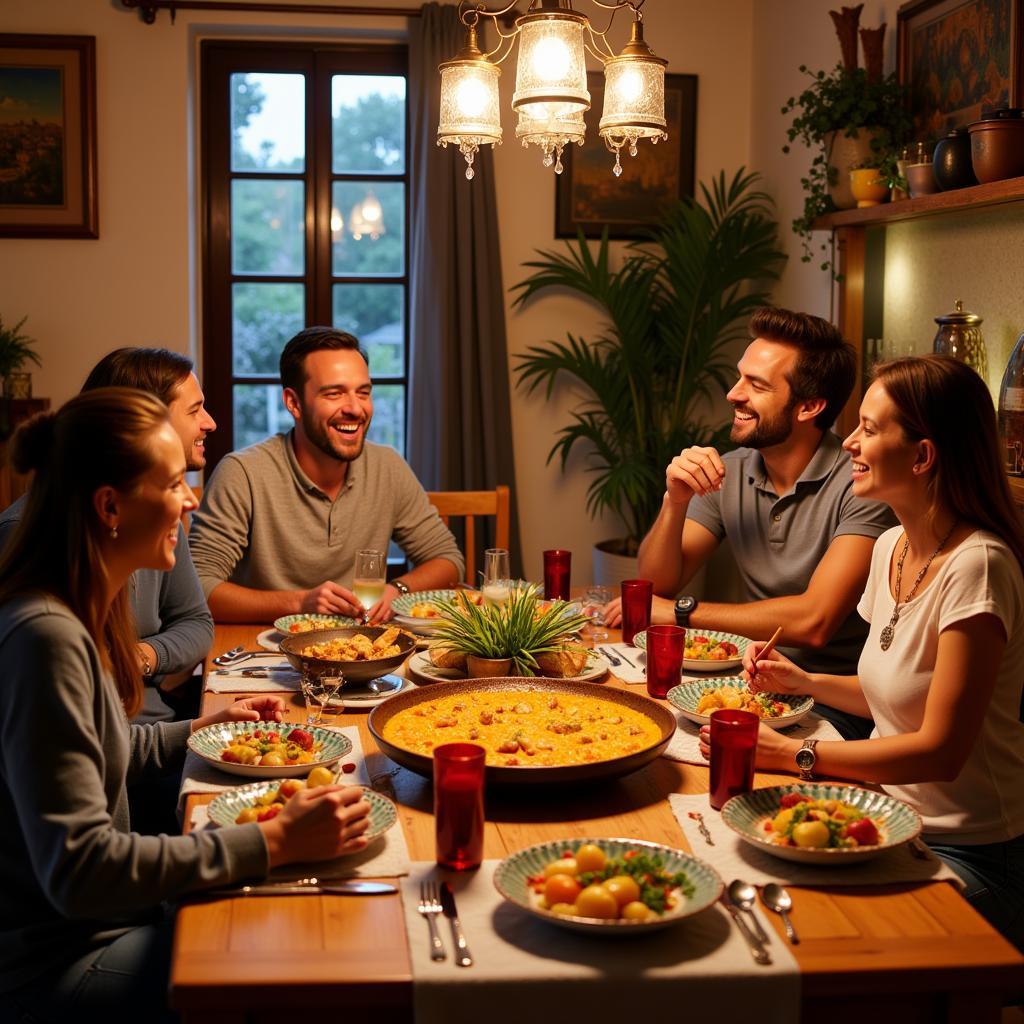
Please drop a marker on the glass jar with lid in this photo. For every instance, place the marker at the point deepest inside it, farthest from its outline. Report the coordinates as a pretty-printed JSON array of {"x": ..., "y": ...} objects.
[{"x": 959, "y": 335}]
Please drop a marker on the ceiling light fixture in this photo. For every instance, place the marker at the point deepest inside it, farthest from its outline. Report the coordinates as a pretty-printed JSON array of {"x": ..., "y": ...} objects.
[{"x": 551, "y": 93}]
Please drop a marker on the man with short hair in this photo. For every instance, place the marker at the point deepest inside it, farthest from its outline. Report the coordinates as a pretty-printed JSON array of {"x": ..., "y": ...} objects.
[
  {"x": 801, "y": 539},
  {"x": 280, "y": 522}
]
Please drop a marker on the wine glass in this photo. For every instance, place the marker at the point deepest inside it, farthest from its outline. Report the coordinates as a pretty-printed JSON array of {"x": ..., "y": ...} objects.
[
  {"x": 497, "y": 576},
  {"x": 318, "y": 687},
  {"x": 368, "y": 581},
  {"x": 593, "y": 606}
]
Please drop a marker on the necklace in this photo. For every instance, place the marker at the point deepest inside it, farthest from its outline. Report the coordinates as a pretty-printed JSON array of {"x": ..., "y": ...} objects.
[{"x": 885, "y": 637}]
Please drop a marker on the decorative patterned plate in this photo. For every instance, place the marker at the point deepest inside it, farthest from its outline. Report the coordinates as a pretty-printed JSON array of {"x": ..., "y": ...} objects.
[
  {"x": 746, "y": 815},
  {"x": 512, "y": 874},
  {"x": 270, "y": 639},
  {"x": 285, "y": 623},
  {"x": 705, "y": 664},
  {"x": 423, "y": 670},
  {"x": 209, "y": 742},
  {"x": 686, "y": 696},
  {"x": 225, "y": 807}
]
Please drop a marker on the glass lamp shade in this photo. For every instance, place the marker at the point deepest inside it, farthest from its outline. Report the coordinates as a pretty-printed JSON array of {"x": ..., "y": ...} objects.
[
  {"x": 470, "y": 115},
  {"x": 552, "y": 126},
  {"x": 634, "y": 98},
  {"x": 551, "y": 67}
]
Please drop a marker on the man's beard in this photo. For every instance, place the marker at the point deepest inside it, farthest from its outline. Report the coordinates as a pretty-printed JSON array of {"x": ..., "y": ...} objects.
[
  {"x": 320, "y": 437},
  {"x": 770, "y": 432}
]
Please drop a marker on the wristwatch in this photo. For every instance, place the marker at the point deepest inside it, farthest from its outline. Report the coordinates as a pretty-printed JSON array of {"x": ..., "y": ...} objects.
[
  {"x": 684, "y": 608},
  {"x": 806, "y": 759},
  {"x": 400, "y": 586},
  {"x": 147, "y": 668}
]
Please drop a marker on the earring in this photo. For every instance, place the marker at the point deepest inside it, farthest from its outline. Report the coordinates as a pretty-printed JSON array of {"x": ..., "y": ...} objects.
[{"x": 113, "y": 533}]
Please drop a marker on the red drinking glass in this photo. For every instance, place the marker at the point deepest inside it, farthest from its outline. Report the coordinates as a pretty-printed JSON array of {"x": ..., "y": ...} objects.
[
  {"x": 636, "y": 607},
  {"x": 733, "y": 745},
  {"x": 459, "y": 804},
  {"x": 557, "y": 564},
  {"x": 664, "y": 658}
]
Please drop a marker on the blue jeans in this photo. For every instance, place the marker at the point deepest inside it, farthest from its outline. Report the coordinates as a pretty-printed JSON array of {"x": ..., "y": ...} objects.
[
  {"x": 125, "y": 980},
  {"x": 994, "y": 878}
]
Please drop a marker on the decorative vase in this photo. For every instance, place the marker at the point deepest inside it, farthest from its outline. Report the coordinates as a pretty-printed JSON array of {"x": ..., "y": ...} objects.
[
  {"x": 487, "y": 668},
  {"x": 959, "y": 336},
  {"x": 868, "y": 187},
  {"x": 921, "y": 179},
  {"x": 844, "y": 152},
  {"x": 997, "y": 145},
  {"x": 952, "y": 161},
  {"x": 18, "y": 385}
]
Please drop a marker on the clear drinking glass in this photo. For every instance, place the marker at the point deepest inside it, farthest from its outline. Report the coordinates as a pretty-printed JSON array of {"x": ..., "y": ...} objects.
[
  {"x": 594, "y": 602},
  {"x": 368, "y": 581},
  {"x": 497, "y": 576},
  {"x": 317, "y": 690}
]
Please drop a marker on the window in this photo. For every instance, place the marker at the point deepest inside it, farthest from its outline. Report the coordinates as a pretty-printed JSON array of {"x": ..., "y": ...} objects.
[{"x": 305, "y": 200}]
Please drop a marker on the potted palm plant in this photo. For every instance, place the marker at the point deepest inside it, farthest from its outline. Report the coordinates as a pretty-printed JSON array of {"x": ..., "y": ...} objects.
[
  {"x": 15, "y": 350},
  {"x": 674, "y": 308}
]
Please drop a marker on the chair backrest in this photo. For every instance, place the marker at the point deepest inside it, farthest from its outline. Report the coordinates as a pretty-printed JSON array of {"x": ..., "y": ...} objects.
[{"x": 469, "y": 505}]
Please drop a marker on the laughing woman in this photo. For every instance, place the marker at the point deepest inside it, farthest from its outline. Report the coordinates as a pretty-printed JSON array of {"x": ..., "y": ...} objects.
[
  {"x": 83, "y": 933},
  {"x": 941, "y": 671}
]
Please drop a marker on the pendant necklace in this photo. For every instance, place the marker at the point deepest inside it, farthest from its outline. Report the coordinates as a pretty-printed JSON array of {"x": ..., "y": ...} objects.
[{"x": 885, "y": 637}]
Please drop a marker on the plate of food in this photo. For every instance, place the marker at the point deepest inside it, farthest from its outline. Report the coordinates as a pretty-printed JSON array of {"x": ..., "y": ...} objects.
[
  {"x": 821, "y": 823},
  {"x": 707, "y": 650},
  {"x": 439, "y": 664},
  {"x": 697, "y": 698},
  {"x": 360, "y": 653},
  {"x": 309, "y": 623},
  {"x": 607, "y": 886},
  {"x": 261, "y": 801},
  {"x": 268, "y": 750},
  {"x": 420, "y": 613},
  {"x": 534, "y": 730}
]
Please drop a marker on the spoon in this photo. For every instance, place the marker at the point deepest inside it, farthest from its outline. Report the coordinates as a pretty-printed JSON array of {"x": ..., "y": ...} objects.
[
  {"x": 743, "y": 895},
  {"x": 778, "y": 899}
]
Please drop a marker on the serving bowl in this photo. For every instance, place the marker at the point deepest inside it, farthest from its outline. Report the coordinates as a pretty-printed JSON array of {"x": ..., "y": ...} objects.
[
  {"x": 526, "y": 774},
  {"x": 686, "y": 696},
  {"x": 293, "y": 648},
  {"x": 511, "y": 879},
  {"x": 746, "y": 816}
]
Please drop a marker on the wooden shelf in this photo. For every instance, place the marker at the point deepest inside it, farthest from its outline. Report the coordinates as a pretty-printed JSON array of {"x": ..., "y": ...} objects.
[{"x": 1009, "y": 191}]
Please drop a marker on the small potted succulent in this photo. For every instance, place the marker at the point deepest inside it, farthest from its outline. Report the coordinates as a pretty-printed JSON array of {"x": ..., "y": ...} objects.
[{"x": 15, "y": 350}]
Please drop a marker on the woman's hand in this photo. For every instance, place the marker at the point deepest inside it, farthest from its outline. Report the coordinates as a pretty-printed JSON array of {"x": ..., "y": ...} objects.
[
  {"x": 774, "y": 674},
  {"x": 264, "y": 708},
  {"x": 775, "y": 752},
  {"x": 318, "y": 824}
]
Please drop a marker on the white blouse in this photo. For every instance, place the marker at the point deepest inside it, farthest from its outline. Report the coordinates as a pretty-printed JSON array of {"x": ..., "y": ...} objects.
[{"x": 985, "y": 803}]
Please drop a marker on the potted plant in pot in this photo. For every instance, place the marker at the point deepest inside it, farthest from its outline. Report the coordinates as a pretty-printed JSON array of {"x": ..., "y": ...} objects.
[
  {"x": 674, "y": 308},
  {"x": 15, "y": 350}
]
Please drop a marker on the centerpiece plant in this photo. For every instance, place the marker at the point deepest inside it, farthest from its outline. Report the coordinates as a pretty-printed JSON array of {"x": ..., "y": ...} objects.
[{"x": 518, "y": 630}]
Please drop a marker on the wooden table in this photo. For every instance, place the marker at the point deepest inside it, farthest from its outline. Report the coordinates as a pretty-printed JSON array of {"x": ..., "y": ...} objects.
[{"x": 912, "y": 953}]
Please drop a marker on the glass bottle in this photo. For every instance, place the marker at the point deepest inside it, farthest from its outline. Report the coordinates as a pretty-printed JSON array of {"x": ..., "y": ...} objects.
[{"x": 1011, "y": 410}]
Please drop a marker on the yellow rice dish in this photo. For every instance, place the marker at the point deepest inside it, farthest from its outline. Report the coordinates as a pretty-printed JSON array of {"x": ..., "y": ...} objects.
[{"x": 526, "y": 728}]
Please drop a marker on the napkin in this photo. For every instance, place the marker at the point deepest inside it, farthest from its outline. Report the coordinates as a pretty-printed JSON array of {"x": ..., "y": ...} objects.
[
  {"x": 684, "y": 744},
  {"x": 526, "y": 968},
  {"x": 733, "y": 858},
  {"x": 634, "y": 673},
  {"x": 277, "y": 681}
]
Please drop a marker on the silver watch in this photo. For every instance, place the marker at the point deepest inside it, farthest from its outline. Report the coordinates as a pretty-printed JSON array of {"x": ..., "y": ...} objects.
[
  {"x": 806, "y": 759},
  {"x": 400, "y": 586}
]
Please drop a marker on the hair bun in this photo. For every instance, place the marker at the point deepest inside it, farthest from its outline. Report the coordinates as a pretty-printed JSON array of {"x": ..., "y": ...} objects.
[{"x": 33, "y": 442}]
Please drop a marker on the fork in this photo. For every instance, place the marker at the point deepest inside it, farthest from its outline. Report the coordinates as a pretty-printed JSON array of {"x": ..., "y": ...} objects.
[
  {"x": 430, "y": 907},
  {"x": 228, "y": 655},
  {"x": 610, "y": 655}
]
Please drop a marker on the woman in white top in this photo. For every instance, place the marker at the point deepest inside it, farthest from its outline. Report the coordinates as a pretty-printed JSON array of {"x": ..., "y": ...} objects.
[{"x": 942, "y": 669}]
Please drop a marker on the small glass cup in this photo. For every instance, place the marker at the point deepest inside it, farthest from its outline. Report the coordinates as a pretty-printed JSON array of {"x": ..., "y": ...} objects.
[
  {"x": 459, "y": 805},
  {"x": 497, "y": 576},
  {"x": 664, "y": 658},
  {"x": 733, "y": 747},
  {"x": 317, "y": 690},
  {"x": 595, "y": 600},
  {"x": 637, "y": 596},
  {"x": 557, "y": 567},
  {"x": 369, "y": 579}
]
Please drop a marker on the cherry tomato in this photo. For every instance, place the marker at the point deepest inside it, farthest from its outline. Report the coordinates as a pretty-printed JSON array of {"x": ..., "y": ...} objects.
[
  {"x": 792, "y": 799},
  {"x": 863, "y": 832},
  {"x": 561, "y": 889},
  {"x": 597, "y": 901},
  {"x": 590, "y": 858},
  {"x": 624, "y": 889}
]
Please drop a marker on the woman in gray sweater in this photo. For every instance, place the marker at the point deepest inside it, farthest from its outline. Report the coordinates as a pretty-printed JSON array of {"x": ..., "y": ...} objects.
[{"x": 82, "y": 926}]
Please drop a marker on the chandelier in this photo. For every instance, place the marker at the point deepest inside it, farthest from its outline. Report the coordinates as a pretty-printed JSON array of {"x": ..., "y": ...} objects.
[{"x": 551, "y": 93}]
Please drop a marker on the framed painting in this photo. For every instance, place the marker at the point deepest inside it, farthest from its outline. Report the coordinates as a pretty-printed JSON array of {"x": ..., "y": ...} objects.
[
  {"x": 960, "y": 58},
  {"x": 589, "y": 196},
  {"x": 48, "y": 136}
]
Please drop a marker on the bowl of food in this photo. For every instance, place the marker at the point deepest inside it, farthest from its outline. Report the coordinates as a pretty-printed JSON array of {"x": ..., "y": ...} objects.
[
  {"x": 360, "y": 653},
  {"x": 535, "y": 731},
  {"x": 310, "y": 622},
  {"x": 821, "y": 823},
  {"x": 696, "y": 699},
  {"x": 268, "y": 750},
  {"x": 707, "y": 650},
  {"x": 607, "y": 886},
  {"x": 421, "y": 613}
]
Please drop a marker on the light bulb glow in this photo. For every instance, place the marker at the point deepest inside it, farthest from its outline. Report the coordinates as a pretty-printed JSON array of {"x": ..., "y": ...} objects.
[
  {"x": 337, "y": 221},
  {"x": 631, "y": 86},
  {"x": 472, "y": 97},
  {"x": 551, "y": 59}
]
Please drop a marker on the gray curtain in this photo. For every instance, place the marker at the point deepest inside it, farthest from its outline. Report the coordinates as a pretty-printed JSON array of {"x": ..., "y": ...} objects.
[{"x": 460, "y": 434}]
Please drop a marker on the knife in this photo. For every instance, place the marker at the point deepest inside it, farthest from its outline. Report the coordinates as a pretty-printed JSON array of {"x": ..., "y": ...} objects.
[
  {"x": 462, "y": 957},
  {"x": 344, "y": 888}
]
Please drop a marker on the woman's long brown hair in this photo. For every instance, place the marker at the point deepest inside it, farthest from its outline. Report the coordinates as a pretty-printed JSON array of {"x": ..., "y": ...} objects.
[
  {"x": 99, "y": 438},
  {"x": 944, "y": 400}
]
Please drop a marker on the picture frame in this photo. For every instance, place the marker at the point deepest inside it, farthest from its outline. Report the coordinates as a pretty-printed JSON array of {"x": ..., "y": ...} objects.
[
  {"x": 960, "y": 58},
  {"x": 588, "y": 196},
  {"x": 48, "y": 136}
]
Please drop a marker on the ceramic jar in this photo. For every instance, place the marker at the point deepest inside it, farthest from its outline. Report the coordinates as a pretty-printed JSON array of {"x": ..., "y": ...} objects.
[
  {"x": 959, "y": 335},
  {"x": 997, "y": 145},
  {"x": 869, "y": 188},
  {"x": 952, "y": 161},
  {"x": 921, "y": 179}
]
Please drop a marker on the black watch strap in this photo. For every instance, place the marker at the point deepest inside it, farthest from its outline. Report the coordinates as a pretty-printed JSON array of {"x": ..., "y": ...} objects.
[{"x": 684, "y": 609}]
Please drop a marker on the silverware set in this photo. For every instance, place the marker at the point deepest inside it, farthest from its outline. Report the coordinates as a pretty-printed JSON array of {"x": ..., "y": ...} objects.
[
  {"x": 435, "y": 900},
  {"x": 617, "y": 659},
  {"x": 739, "y": 900},
  {"x": 238, "y": 654}
]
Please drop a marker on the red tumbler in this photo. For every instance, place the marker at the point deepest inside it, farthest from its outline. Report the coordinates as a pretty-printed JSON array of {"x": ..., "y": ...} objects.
[
  {"x": 733, "y": 746},
  {"x": 557, "y": 564},
  {"x": 664, "y": 658},
  {"x": 459, "y": 804},
  {"x": 636, "y": 607}
]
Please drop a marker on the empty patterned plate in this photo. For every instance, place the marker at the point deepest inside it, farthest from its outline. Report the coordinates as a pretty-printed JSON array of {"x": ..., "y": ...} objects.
[
  {"x": 511, "y": 879},
  {"x": 210, "y": 742},
  {"x": 747, "y": 814},
  {"x": 686, "y": 696},
  {"x": 705, "y": 664}
]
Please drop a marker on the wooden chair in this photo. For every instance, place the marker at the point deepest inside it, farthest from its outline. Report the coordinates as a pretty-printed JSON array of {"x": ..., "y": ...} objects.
[{"x": 469, "y": 505}]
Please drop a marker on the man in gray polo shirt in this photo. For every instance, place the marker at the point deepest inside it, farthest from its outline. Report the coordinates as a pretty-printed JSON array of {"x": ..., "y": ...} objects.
[
  {"x": 281, "y": 521},
  {"x": 801, "y": 540}
]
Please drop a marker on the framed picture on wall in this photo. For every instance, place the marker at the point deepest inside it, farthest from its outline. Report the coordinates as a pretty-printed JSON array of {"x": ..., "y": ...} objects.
[
  {"x": 960, "y": 58},
  {"x": 589, "y": 196},
  {"x": 48, "y": 136}
]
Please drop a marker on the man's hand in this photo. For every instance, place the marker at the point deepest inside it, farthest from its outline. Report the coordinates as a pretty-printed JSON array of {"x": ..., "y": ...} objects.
[
  {"x": 694, "y": 471},
  {"x": 663, "y": 612},
  {"x": 381, "y": 612},
  {"x": 331, "y": 599}
]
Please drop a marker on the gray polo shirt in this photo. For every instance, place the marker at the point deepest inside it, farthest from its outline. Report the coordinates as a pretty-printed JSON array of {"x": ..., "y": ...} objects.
[
  {"x": 779, "y": 541},
  {"x": 264, "y": 524}
]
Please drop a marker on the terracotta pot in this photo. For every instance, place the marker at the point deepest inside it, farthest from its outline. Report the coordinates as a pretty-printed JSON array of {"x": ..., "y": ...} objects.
[
  {"x": 868, "y": 187},
  {"x": 997, "y": 145},
  {"x": 844, "y": 152},
  {"x": 921, "y": 179},
  {"x": 487, "y": 668},
  {"x": 952, "y": 161}
]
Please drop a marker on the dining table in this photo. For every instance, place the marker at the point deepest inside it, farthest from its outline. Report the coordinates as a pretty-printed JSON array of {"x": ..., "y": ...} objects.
[{"x": 907, "y": 952}]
